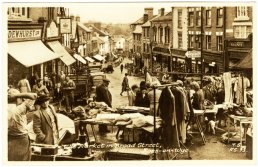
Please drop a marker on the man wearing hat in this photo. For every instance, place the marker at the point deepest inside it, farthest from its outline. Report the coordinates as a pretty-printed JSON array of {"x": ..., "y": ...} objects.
[
  {"x": 18, "y": 139},
  {"x": 104, "y": 95},
  {"x": 45, "y": 122}
]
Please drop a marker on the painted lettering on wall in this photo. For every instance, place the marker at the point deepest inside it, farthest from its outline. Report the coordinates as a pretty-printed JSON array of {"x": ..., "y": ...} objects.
[{"x": 16, "y": 35}]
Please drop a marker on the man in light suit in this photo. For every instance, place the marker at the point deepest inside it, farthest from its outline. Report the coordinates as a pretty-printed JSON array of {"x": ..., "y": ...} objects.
[{"x": 45, "y": 122}]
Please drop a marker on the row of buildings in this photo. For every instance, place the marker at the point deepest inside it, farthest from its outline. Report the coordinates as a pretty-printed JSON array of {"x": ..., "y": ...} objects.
[
  {"x": 47, "y": 40},
  {"x": 179, "y": 39}
]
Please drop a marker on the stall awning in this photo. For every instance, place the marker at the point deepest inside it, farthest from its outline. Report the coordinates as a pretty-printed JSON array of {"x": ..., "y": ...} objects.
[
  {"x": 99, "y": 57},
  {"x": 30, "y": 53},
  {"x": 89, "y": 59},
  {"x": 79, "y": 57},
  {"x": 60, "y": 50}
]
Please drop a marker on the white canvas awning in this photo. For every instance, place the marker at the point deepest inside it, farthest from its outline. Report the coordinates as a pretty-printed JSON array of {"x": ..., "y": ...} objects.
[
  {"x": 60, "y": 50},
  {"x": 89, "y": 59},
  {"x": 79, "y": 57},
  {"x": 30, "y": 53},
  {"x": 99, "y": 57}
]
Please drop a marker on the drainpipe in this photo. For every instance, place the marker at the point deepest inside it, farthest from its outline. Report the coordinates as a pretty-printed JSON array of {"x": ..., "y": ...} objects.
[
  {"x": 224, "y": 39},
  {"x": 201, "y": 47}
]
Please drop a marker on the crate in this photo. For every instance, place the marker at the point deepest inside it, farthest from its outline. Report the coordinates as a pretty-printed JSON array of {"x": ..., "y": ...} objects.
[{"x": 132, "y": 135}]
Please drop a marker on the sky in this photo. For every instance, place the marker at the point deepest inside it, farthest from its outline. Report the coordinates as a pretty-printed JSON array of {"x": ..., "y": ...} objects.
[{"x": 114, "y": 12}]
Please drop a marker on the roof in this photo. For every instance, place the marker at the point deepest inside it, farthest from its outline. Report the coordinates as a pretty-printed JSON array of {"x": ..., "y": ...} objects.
[
  {"x": 138, "y": 29},
  {"x": 148, "y": 23},
  {"x": 166, "y": 17},
  {"x": 84, "y": 27},
  {"x": 98, "y": 39},
  {"x": 139, "y": 21},
  {"x": 100, "y": 32}
]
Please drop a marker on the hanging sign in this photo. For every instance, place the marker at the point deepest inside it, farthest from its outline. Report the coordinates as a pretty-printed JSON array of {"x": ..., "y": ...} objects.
[{"x": 65, "y": 26}]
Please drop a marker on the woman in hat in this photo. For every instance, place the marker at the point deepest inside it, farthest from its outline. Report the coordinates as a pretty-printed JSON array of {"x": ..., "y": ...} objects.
[
  {"x": 45, "y": 122},
  {"x": 18, "y": 138}
]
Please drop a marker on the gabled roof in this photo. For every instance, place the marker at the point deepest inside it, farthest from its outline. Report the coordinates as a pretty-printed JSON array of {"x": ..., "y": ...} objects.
[
  {"x": 166, "y": 17},
  {"x": 84, "y": 27},
  {"x": 138, "y": 29},
  {"x": 139, "y": 21},
  {"x": 148, "y": 23},
  {"x": 99, "y": 40},
  {"x": 100, "y": 32}
]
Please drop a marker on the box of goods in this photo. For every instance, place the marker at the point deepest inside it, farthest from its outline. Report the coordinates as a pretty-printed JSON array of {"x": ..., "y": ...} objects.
[
  {"x": 132, "y": 135},
  {"x": 49, "y": 150}
]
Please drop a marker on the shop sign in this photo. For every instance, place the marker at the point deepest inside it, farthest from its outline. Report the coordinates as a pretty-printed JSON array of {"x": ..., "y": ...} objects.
[
  {"x": 193, "y": 54},
  {"x": 240, "y": 44},
  {"x": 65, "y": 26},
  {"x": 52, "y": 30},
  {"x": 24, "y": 34},
  {"x": 236, "y": 44},
  {"x": 74, "y": 44}
]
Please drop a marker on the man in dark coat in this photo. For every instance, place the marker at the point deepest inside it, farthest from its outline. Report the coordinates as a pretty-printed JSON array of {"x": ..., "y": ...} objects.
[
  {"x": 103, "y": 95},
  {"x": 125, "y": 85},
  {"x": 45, "y": 122}
]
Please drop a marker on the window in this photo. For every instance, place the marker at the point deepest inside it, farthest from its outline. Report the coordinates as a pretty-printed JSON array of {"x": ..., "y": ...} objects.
[
  {"x": 155, "y": 34},
  {"x": 198, "y": 41},
  {"x": 219, "y": 43},
  {"x": 191, "y": 41},
  {"x": 144, "y": 47},
  {"x": 219, "y": 17},
  {"x": 208, "y": 42},
  {"x": 167, "y": 35},
  {"x": 242, "y": 31},
  {"x": 15, "y": 12},
  {"x": 180, "y": 41},
  {"x": 191, "y": 19},
  {"x": 198, "y": 18},
  {"x": 208, "y": 17},
  {"x": 242, "y": 11},
  {"x": 160, "y": 35},
  {"x": 148, "y": 48},
  {"x": 147, "y": 32},
  {"x": 179, "y": 19}
]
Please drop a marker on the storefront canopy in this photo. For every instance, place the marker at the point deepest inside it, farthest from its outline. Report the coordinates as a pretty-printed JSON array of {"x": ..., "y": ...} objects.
[
  {"x": 79, "y": 57},
  {"x": 246, "y": 63},
  {"x": 99, "y": 57},
  {"x": 30, "y": 53},
  {"x": 89, "y": 59},
  {"x": 60, "y": 51}
]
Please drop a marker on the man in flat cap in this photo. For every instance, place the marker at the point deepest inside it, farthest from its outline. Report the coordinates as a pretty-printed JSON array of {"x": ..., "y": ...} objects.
[
  {"x": 19, "y": 104},
  {"x": 45, "y": 122},
  {"x": 104, "y": 95}
]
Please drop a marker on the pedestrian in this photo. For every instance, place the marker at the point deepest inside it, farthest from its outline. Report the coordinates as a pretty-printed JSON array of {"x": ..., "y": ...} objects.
[
  {"x": 142, "y": 99},
  {"x": 198, "y": 97},
  {"x": 132, "y": 95},
  {"x": 104, "y": 95},
  {"x": 33, "y": 79},
  {"x": 40, "y": 89},
  {"x": 19, "y": 104},
  {"x": 125, "y": 85},
  {"x": 61, "y": 77},
  {"x": 68, "y": 92},
  {"x": 121, "y": 68},
  {"x": 24, "y": 85},
  {"x": 45, "y": 122},
  {"x": 48, "y": 83},
  {"x": 58, "y": 96}
]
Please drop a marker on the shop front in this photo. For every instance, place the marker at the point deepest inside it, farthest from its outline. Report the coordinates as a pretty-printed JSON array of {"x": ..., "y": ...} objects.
[{"x": 26, "y": 51}]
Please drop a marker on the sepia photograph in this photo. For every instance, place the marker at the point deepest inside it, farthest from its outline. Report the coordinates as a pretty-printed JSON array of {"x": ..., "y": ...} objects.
[{"x": 128, "y": 81}]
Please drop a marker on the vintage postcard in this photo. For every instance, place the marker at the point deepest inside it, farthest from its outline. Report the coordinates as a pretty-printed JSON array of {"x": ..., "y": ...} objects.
[{"x": 129, "y": 81}]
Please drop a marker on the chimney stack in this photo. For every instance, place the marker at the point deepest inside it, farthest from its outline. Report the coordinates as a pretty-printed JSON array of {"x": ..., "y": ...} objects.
[
  {"x": 72, "y": 17},
  {"x": 77, "y": 18},
  {"x": 149, "y": 11},
  {"x": 161, "y": 11},
  {"x": 145, "y": 18}
]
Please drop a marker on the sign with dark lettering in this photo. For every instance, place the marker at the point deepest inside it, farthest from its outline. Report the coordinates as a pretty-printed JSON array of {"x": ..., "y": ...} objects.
[{"x": 24, "y": 34}]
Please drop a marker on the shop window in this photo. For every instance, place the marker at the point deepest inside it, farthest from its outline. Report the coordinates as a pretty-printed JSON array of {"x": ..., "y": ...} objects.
[
  {"x": 167, "y": 35},
  {"x": 179, "y": 18},
  {"x": 191, "y": 41},
  {"x": 155, "y": 34},
  {"x": 180, "y": 40},
  {"x": 219, "y": 43},
  {"x": 198, "y": 18},
  {"x": 219, "y": 17},
  {"x": 191, "y": 19},
  {"x": 208, "y": 42},
  {"x": 208, "y": 17}
]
